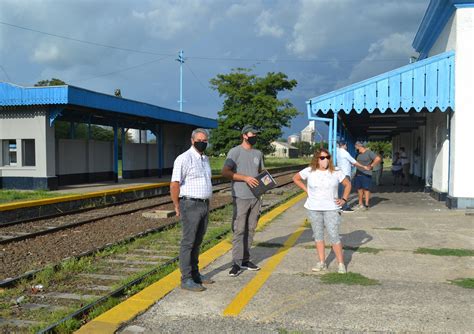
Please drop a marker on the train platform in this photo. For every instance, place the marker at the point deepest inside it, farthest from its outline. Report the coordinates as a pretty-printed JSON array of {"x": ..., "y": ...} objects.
[
  {"x": 110, "y": 185},
  {"x": 397, "y": 289}
]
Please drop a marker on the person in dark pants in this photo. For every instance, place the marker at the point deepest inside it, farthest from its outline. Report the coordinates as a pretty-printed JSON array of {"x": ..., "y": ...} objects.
[
  {"x": 242, "y": 165},
  {"x": 191, "y": 189},
  {"x": 363, "y": 177}
]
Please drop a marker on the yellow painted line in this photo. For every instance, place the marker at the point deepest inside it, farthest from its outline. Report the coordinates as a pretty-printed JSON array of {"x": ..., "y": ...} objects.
[
  {"x": 264, "y": 220},
  {"x": 251, "y": 289},
  {"x": 111, "y": 320}
]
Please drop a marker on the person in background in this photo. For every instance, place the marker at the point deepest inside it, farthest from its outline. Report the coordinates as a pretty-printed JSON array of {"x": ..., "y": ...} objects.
[
  {"x": 242, "y": 165},
  {"x": 345, "y": 162},
  {"x": 397, "y": 169},
  {"x": 323, "y": 204},
  {"x": 191, "y": 189},
  {"x": 378, "y": 170},
  {"x": 405, "y": 166},
  {"x": 363, "y": 177}
]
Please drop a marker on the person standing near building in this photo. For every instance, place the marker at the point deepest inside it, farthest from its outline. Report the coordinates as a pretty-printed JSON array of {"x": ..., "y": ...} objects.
[
  {"x": 363, "y": 177},
  {"x": 378, "y": 170},
  {"x": 405, "y": 166},
  {"x": 191, "y": 190},
  {"x": 242, "y": 165},
  {"x": 345, "y": 162},
  {"x": 323, "y": 204}
]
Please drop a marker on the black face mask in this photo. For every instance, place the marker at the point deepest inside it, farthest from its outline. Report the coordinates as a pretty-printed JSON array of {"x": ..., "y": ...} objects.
[
  {"x": 252, "y": 140},
  {"x": 200, "y": 145}
]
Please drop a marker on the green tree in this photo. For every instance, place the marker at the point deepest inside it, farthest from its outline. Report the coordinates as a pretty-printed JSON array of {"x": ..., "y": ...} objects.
[
  {"x": 52, "y": 82},
  {"x": 377, "y": 146},
  {"x": 250, "y": 99},
  {"x": 304, "y": 148}
]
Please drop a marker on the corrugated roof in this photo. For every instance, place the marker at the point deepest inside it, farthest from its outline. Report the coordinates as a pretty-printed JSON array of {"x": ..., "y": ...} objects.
[
  {"x": 428, "y": 83},
  {"x": 14, "y": 95}
]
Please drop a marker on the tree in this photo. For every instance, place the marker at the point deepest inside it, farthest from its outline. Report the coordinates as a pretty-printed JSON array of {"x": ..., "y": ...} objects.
[
  {"x": 304, "y": 148},
  {"x": 52, "y": 82},
  {"x": 377, "y": 146},
  {"x": 251, "y": 100}
]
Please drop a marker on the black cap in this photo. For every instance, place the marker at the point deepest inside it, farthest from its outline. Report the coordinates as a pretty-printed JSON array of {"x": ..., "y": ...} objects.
[{"x": 249, "y": 128}]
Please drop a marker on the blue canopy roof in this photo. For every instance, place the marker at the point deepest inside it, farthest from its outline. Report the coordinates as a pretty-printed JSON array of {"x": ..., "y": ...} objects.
[
  {"x": 13, "y": 95},
  {"x": 428, "y": 84}
]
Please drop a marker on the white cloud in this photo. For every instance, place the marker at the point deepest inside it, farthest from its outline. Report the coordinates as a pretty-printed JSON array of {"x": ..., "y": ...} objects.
[
  {"x": 266, "y": 25},
  {"x": 379, "y": 57},
  {"x": 46, "y": 53}
]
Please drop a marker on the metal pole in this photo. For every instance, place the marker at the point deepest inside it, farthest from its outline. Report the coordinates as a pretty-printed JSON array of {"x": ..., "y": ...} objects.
[
  {"x": 180, "y": 59},
  {"x": 334, "y": 155},
  {"x": 115, "y": 153}
]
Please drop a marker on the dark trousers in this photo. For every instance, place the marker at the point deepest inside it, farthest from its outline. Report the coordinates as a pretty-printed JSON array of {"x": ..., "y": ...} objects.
[
  {"x": 194, "y": 219},
  {"x": 244, "y": 222}
]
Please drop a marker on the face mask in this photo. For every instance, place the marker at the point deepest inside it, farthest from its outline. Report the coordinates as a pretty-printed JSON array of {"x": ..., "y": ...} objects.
[
  {"x": 324, "y": 163},
  {"x": 200, "y": 146},
  {"x": 252, "y": 140}
]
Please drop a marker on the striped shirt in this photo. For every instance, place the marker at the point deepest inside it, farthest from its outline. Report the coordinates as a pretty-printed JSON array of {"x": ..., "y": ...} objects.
[{"x": 193, "y": 172}]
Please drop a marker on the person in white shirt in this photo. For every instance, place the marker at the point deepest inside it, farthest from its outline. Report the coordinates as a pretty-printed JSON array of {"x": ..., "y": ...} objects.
[
  {"x": 345, "y": 162},
  {"x": 323, "y": 204},
  {"x": 191, "y": 190}
]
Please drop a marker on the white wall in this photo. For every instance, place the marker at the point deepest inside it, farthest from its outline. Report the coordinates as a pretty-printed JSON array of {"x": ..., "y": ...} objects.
[
  {"x": 176, "y": 140},
  {"x": 461, "y": 184},
  {"x": 79, "y": 156},
  {"x": 134, "y": 157},
  {"x": 28, "y": 124},
  {"x": 447, "y": 39},
  {"x": 437, "y": 151}
]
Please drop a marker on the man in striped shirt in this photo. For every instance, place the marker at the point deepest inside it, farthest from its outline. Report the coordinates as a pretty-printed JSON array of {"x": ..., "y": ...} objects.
[{"x": 191, "y": 189}]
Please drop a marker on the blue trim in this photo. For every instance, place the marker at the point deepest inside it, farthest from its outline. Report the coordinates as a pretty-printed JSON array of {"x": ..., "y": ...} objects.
[
  {"x": 436, "y": 16},
  {"x": 426, "y": 84},
  {"x": 13, "y": 95}
]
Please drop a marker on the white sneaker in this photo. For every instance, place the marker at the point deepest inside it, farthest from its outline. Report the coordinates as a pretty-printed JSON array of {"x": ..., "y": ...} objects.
[
  {"x": 341, "y": 269},
  {"x": 319, "y": 266}
]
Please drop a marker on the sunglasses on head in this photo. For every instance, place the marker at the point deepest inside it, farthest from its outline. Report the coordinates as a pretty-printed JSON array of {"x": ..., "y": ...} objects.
[{"x": 325, "y": 157}]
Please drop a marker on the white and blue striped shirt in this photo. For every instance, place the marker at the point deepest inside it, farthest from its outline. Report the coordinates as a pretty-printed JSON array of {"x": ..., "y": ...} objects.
[{"x": 193, "y": 172}]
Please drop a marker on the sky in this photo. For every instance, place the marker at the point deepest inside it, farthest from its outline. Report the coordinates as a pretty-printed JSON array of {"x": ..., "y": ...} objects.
[{"x": 133, "y": 45}]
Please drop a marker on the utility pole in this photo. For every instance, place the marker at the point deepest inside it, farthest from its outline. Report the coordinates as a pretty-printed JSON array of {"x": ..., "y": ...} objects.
[{"x": 180, "y": 59}]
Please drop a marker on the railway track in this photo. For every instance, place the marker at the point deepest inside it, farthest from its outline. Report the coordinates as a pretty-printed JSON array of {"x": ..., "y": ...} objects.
[
  {"x": 81, "y": 284},
  {"x": 20, "y": 230}
]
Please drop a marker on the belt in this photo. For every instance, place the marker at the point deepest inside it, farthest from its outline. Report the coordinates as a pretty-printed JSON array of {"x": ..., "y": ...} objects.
[{"x": 204, "y": 200}]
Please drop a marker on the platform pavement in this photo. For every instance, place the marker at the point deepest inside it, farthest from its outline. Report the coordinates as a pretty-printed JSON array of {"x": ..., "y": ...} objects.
[{"x": 414, "y": 293}]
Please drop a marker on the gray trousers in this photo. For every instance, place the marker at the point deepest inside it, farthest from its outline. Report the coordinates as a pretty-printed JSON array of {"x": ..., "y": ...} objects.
[
  {"x": 194, "y": 219},
  {"x": 244, "y": 222}
]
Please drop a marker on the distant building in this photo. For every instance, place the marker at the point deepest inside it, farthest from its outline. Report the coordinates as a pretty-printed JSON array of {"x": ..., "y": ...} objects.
[
  {"x": 293, "y": 139},
  {"x": 284, "y": 150},
  {"x": 308, "y": 133}
]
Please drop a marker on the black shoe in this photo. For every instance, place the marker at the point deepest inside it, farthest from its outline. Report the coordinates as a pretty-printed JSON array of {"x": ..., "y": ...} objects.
[
  {"x": 203, "y": 280},
  {"x": 347, "y": 210},
  {"x": 249, "y": 266},
  {"x": 235, "y": 270},
  {"x": 190, "y": 285}
]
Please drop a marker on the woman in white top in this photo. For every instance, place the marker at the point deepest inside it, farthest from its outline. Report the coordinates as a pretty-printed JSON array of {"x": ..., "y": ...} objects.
[{"x": 323, "y": 204}]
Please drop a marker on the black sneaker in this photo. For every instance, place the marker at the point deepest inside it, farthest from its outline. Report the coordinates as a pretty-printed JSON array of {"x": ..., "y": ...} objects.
[
  {"x": 235, "y": 270},
  {"x": 347, "y": 210},
  {"x": 249, "y": 266}
]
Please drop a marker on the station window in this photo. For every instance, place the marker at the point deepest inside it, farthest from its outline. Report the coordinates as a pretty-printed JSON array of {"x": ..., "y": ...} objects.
[
  {"x": 9, "y": 152},
  {"x": 28, "y": 152}
]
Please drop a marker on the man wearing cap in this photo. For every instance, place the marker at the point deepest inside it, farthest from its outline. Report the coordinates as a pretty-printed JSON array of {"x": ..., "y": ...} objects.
[
  {"x": 363, "y": 177},
  {"x": 242, "y": 165},
  {"x": 191, "y": 189},
  {"x": 345, "y": 162}
]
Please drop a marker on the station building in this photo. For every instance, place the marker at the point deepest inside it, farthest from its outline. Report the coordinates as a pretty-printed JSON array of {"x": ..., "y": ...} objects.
[
  {"x": 31, "y": 157},
  {"x": 427, "y": 106}
]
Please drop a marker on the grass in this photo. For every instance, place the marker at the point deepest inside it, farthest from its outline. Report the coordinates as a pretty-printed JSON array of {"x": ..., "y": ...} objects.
[
  {"x": 8, "y": 196},
  {"x": 269, "y": 244},
  {"x": 467, "y": 283},
  {"x": 349, "y": 279},
  {"x": 445, "y": 251},
  {"x": 218, "y": 162},
  {"x": 368, "y": 250}
]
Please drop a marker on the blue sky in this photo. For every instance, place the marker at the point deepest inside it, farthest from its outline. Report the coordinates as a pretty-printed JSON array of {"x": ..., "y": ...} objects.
[{"x": 132, "y": 45}]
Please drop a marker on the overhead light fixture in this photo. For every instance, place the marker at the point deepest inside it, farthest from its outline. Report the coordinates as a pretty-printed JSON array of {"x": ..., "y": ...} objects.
[
  {"x": 382, "y": 127},
  {"x": 378, "y": 131}
]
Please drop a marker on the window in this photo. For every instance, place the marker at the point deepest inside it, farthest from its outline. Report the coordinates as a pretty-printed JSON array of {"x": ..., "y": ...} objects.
[
  {"x": 28, "y": 152},
  {"x": 9, "y": 152}
]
